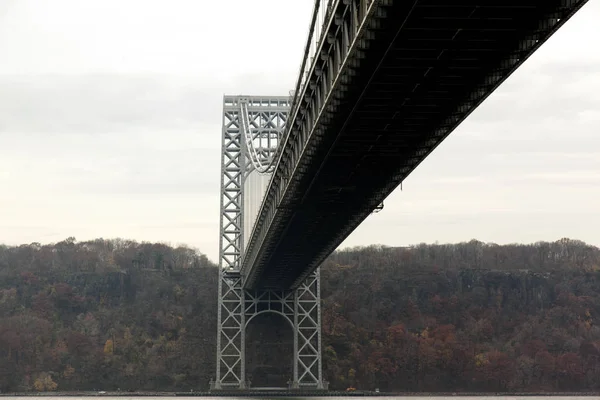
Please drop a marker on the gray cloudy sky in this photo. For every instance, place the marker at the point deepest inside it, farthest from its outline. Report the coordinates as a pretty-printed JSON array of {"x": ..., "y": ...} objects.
[{"x": 110, "y": 114}]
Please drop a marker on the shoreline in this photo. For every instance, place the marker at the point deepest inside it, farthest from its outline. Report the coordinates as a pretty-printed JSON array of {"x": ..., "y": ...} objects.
[{"x": 296, "y": 393}]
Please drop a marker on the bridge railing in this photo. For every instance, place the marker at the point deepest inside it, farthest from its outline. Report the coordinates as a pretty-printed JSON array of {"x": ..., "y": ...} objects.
[{"x": 321, "y": 13}]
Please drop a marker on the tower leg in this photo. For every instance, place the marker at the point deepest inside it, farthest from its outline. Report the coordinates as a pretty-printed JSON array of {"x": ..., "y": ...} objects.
[
  {"x": 308, "y": 366},
  {"x": 231, "y": 333}
]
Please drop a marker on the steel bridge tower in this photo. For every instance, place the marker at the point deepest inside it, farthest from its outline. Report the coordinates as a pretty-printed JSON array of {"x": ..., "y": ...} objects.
[{"x": 253, "y": 128}]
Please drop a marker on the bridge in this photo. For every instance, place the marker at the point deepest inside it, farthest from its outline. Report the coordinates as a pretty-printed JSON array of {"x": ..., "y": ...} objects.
[{"x": 382, "y": 83}]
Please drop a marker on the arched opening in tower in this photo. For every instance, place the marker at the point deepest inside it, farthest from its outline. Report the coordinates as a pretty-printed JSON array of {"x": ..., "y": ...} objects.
[{"x": 269, "y": 351}]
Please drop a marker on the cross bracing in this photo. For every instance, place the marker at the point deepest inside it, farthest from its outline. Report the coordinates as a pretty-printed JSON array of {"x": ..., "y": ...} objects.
[
  {"x": 253, "y": 128},
  {"x": 382, "y": 84}
]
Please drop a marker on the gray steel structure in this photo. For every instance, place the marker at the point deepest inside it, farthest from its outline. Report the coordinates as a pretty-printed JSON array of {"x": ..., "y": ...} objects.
[
  {"x": 253, "y": 127},
  {"x": 383, "y": 83}
]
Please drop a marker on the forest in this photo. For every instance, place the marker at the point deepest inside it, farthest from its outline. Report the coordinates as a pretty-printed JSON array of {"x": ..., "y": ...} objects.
[{"x": 121, "y": 315}]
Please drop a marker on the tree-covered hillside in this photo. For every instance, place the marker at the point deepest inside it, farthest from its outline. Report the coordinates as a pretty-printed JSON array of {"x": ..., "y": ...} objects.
[{"x": 116, "y": 314}]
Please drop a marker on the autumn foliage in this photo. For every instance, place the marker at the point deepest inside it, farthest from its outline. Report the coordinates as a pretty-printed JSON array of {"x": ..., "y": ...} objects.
[
  {"x": 116, "y": 314},
  {"x": 465, "y": 317},
  {"x": 106, "y": 315}
]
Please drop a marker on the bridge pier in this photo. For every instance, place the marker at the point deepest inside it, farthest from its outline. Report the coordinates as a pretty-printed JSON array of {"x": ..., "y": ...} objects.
[
  {"x": 301, "y": 308},
  {"x": 252, "y": 130}
]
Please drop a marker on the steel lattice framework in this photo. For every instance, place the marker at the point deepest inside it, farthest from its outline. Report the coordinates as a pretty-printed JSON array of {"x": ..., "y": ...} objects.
[
  {"x": 382, "y": 84},
  {"x": 253, "y": 127}
]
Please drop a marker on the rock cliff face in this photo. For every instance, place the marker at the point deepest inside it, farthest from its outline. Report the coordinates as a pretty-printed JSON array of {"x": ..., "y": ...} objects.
[{"x": 111, "y": 314}]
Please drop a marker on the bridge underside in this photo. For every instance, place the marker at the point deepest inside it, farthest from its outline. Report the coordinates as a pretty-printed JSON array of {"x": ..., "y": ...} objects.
[{"x": 414, "y": 72}]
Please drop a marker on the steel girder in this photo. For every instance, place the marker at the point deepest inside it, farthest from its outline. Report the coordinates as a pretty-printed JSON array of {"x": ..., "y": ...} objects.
[
  {"x": 341, "y": 41},
  {"x": 388, "y": 82}
]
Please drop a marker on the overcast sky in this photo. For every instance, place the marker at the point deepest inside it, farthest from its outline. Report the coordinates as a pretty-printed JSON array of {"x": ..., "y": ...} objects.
[{"x": 110, "y": 124}]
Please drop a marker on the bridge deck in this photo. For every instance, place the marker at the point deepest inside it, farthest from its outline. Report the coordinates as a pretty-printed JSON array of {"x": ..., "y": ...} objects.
[{"x": 421, "y": 68}]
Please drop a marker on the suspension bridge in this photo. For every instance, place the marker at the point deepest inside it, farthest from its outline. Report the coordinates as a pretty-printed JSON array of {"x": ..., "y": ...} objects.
[{"x": 381, "y": 84}]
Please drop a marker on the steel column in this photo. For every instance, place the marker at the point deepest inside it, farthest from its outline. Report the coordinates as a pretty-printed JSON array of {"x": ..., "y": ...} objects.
[{"x": 253, "y": 127}]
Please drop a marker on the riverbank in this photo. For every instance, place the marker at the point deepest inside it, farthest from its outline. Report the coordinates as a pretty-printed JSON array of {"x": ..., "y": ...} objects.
[{"x": 294, "y": 393}]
